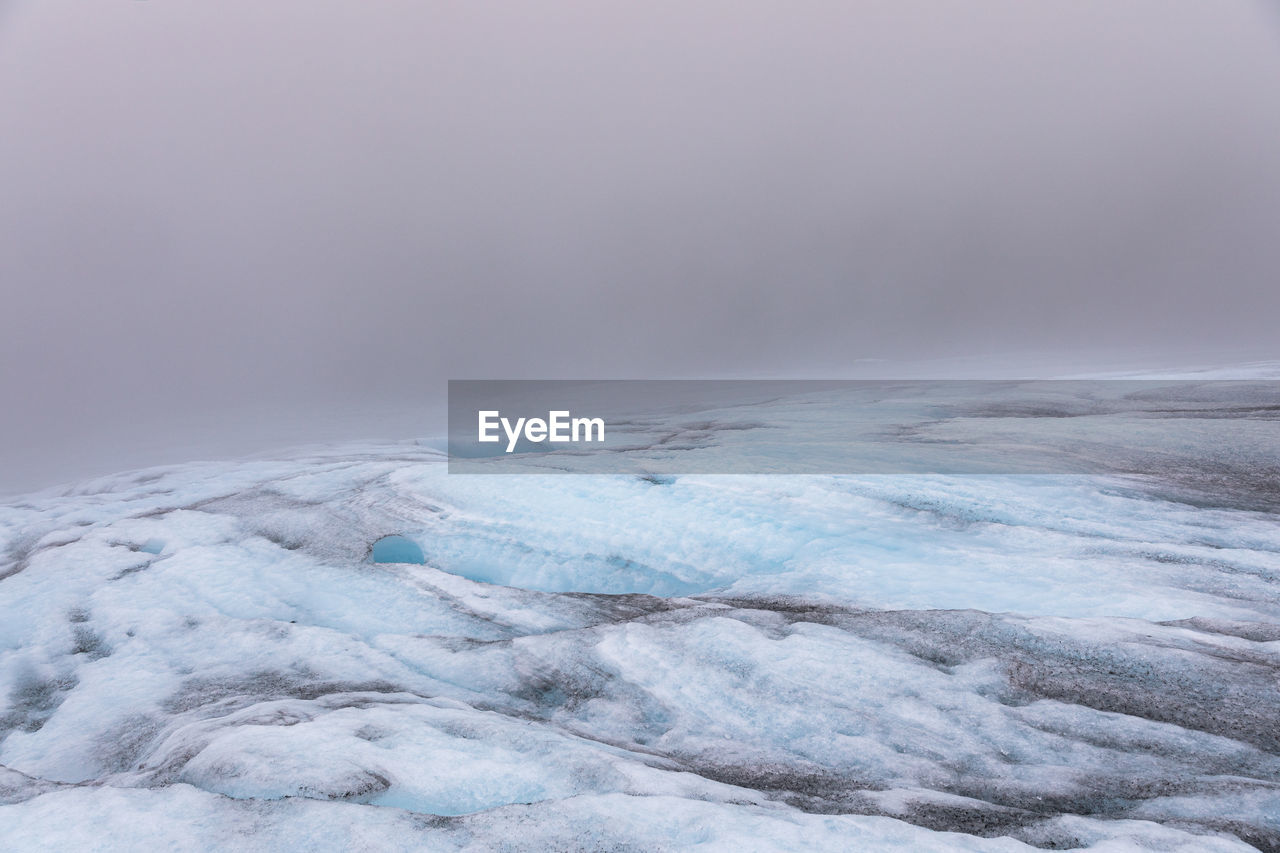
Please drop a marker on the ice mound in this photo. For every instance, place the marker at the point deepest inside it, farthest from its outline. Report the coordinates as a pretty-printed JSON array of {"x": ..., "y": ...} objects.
[
  {"x": 152, "y": 546},
  {"x": 759, "y": 663}
]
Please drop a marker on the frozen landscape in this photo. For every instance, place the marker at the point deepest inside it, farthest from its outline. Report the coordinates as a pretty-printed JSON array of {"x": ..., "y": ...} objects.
[
  {"x": 213, "y": 656},
  {"x": 972, "y": 543}
]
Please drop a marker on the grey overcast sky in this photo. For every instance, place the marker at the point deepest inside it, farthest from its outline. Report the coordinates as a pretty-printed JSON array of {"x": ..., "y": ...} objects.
[{"x": 232, "y": 224}]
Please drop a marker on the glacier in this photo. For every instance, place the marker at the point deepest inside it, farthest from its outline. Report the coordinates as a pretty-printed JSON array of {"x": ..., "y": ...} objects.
[{"x": 212, "y": 656}]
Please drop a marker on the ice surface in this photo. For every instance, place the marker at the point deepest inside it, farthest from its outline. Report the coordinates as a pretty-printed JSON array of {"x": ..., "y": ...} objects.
[{"x": 197, "y": 655}]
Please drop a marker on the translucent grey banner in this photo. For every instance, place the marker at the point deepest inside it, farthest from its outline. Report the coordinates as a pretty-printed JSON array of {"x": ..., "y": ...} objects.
[{"x": 1223, "y": 429}]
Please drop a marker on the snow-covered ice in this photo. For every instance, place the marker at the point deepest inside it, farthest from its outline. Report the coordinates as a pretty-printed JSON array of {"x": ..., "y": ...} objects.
[{"x": 209, "y": 656}]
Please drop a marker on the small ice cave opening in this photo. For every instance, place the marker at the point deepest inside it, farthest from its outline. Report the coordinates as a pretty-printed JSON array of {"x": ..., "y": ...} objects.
[{"x": 397, "y": 549}]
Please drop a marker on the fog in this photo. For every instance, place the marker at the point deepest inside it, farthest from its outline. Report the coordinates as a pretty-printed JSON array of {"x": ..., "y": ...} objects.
[{"x": 232, "y": 225}]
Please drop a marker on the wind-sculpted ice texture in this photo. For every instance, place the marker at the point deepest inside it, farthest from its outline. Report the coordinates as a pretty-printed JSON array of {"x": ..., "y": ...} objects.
[{"x": 208, "y": 657}]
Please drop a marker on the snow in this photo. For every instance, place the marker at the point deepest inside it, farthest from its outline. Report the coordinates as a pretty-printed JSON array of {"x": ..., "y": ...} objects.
[{"x": 212, "y": 655}]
